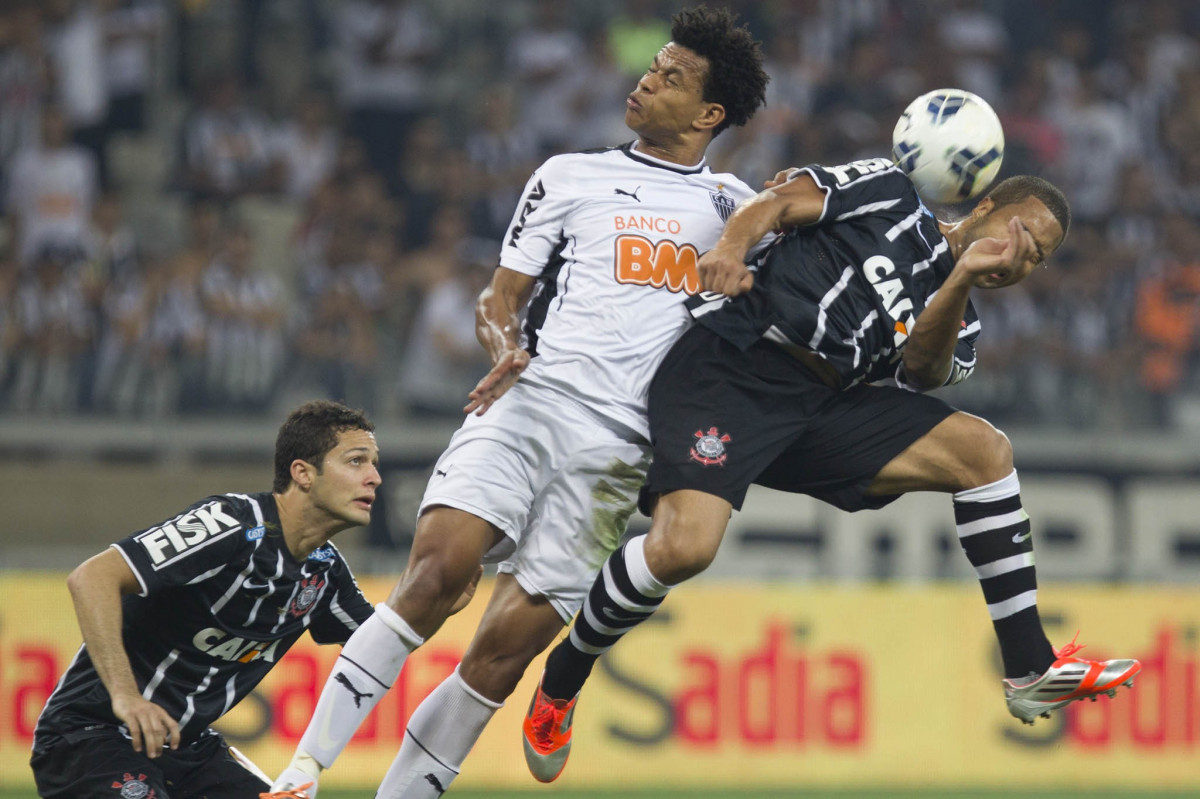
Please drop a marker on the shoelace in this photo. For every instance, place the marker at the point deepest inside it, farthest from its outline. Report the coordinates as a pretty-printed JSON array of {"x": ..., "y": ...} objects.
[
  {"x": 294, "y": 793},
  {"x": 1069, "y": 649},
  {"x": 544, "y": 722}
]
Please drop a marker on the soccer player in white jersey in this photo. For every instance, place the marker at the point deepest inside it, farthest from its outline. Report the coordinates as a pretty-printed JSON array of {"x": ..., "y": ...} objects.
[{"x": 602, "y": 252}]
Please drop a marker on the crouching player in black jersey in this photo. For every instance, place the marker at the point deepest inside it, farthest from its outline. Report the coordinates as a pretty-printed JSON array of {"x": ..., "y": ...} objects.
[
  {"x": 182, "y": 620},
  {"x": 774, "y": 385}
]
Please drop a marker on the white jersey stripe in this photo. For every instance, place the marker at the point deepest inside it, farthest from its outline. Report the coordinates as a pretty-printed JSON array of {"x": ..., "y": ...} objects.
[
  {"x": 830, "y": 297},
  {"x": 904, "y": 224},
  {"x": 191, "y": 698},
  {"x": 869, "y": 208},
  {"x": 159, "y": 673}
]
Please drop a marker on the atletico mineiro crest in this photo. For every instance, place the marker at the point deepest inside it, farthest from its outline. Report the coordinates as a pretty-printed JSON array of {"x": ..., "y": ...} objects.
[
  {"x": 709, "y": 449},
  {"x": 310, "y": 589},
  {"x": 722, "y": 202},
  {"x": 132, "y": 787}
]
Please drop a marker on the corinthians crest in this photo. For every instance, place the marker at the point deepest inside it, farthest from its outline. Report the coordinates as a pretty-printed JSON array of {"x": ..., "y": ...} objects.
[
  {"x": 709, "y": 449},
  {"x": 132, "y": 787},
  {"x": 722, "y": 202},
  {"x": 310, "y": 589}
]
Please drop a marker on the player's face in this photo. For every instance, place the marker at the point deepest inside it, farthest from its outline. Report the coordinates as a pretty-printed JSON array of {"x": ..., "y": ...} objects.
[
  {"x": 345, "y": 486},
  {"x": 1042, "y": 226},
  {"x": 670, "y": 95}
]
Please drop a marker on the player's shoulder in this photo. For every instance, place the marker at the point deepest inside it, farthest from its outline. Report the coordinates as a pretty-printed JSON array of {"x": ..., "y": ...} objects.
[
  {"x": 862, "y": 172},
  {"x": 566, "y": 163}
]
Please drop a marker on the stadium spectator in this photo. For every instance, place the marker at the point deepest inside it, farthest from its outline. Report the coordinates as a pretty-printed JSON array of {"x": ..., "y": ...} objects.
[
  {"x": 132, "y": 32},
  {"x": 76, "y": 47},
  {"x": 175, "y": 633},
  {"x": 22, "y": 80},
  {"x": 226, "y": 146},
  {"x": 51, "y": 190},
  {"x": 308, "y": 147}
]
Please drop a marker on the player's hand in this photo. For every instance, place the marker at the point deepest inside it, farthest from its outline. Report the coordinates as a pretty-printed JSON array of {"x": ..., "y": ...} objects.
[
  {"x": 724, "y": 274},
  {"x": 781, "y": 177},
  {"x": 992, "y": 263},
  {"x": 499, "y": 380},
  {"x": 150, "y": 726},
  {"x": 468, "y": 593}
]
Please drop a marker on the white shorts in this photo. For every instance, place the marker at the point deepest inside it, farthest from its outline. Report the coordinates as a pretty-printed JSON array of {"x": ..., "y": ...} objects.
[{"x": 558, "y": 481}]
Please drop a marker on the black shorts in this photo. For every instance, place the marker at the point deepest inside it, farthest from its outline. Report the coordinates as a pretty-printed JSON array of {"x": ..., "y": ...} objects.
[
  {"x": 721, "y": 419},
  {"x": 101, "y": 764}
]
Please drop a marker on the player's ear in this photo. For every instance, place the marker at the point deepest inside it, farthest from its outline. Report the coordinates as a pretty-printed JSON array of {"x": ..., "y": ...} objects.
[
  {"x": 711, "y": 115},
  {"x": 303, "y": 473},
  {"x": 983, "y": 208}
]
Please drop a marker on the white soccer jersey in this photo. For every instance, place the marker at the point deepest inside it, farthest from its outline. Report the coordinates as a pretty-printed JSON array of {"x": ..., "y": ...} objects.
[{"x": 614, "y": 236}]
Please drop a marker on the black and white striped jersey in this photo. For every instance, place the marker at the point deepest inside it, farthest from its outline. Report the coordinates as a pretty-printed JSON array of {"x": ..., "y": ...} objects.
[
  {"x": 850, "y": 286},
  {"x": 222, "y": 600}
]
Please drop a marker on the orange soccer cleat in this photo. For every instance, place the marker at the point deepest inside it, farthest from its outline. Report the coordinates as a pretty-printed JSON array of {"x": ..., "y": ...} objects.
[
  {"x": 1068, "y": 679},
  {"x": 299, "y": 792},
  {"x": 547, "y": 735}
]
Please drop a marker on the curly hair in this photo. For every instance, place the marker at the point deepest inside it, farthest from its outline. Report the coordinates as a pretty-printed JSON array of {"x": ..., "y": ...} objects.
[
  {"x": 1014, "y": 190},
  {"x": 736, "y": 79},
  {"x": 309, "y": 433}
]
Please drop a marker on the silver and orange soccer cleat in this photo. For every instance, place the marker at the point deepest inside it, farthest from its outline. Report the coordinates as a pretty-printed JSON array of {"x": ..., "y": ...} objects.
[{"x": 1068, "y": 679}]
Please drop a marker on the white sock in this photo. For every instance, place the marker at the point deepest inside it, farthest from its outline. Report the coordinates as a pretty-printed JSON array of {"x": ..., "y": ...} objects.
[
  {"x": 639, "y": 571},
  {"x": 370, "y": 662},
  {"x": 440, "y": 734}
]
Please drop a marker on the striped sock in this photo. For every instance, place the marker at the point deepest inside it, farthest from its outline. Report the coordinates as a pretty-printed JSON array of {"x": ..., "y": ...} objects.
[
  {"x": 624, "y": 595},
  {"x": 995, "y": 533}
]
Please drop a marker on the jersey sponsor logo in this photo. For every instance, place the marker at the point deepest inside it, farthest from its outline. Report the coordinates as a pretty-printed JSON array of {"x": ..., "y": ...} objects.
[
  {"x": 255, "y": 533},
  {"x": 647, "y": 222},
  {"x": 131, "y": 787},
  {"x": 187, "y": 533},
  {"x": 310, "y": 589},
  {"x": 322, "y": 553},
  {"x": 881, "y": 274},
  {"x": 664, "y": 265},
  {"x": 709, "y": 448},
  {"x": 722, "y": 202},
  {"x": 219, "y": 644},
  {"x": 536, "y": 195},
  {"x": 848, "y": 173}
]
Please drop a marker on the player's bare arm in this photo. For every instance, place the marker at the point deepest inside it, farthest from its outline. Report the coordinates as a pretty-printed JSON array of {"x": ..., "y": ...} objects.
[
  {"x": 929, "y": 352},
  {"x": 498, "y": 328},
  {"x": 97, "y": 586},
  {"x": 796, "y": 202}
]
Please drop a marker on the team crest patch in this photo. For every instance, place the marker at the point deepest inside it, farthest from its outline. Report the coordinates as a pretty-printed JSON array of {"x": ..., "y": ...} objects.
[
  {"x": 310, "y": 589},
  {"x": 324, "y": 552},
  {"x": 132, "y": 787},
  {"x": 709, "y": 449},
  {"x": 722, "y": 202}
]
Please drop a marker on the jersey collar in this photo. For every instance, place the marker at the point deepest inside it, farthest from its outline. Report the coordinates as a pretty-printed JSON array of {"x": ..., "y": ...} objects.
[{"x": 650, "y": 160}]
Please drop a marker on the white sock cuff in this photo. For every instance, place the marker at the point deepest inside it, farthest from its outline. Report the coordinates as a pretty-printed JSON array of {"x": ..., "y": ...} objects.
[
  {"x": 471, "y": 692},
  {"x": 398, "y": 625},
  {"x": 639, "y": 573},
  {"x": 1005, "y": 487}
]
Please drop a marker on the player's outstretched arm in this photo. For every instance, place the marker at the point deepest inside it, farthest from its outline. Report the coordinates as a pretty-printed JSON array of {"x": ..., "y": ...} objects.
[
  {"x": 790, "y": 204},
  {"x": 498, "y": 328},
  {"x": 96, "y": 588}
]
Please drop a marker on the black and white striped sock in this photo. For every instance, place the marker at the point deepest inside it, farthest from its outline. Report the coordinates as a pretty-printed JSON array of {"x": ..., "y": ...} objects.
[
  {"x": 624, "y": 595},
  {"x": 995, "y": 533}
]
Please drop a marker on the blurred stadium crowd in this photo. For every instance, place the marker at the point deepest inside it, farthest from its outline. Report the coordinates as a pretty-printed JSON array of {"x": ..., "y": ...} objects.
[{"x": 219, "y": 205}]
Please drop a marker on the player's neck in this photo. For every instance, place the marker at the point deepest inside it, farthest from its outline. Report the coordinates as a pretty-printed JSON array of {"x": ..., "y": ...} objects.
[
  {"x": 684, "y": 153},
  {"x": 305, "y": 527},
  {"x": 955, "y": 234}
]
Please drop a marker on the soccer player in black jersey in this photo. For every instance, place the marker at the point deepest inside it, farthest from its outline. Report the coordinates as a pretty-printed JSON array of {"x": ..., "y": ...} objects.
[
  {"x": 775, "y": 385},
  {"x": 182, "y": 620}
]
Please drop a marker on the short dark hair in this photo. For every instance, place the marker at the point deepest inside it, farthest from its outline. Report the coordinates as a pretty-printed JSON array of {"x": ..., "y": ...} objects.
[
  {"x": 310, "y": 432},
  {"x": 1018, "y": 188},
  {"x": 736, "y": 79}
]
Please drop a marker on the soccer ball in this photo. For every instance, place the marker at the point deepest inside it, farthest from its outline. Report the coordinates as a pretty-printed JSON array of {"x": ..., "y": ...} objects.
[{"x": 950, "y": 144}]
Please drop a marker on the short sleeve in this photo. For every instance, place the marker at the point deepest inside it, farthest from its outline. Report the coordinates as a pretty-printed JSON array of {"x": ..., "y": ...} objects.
[
  {"x": 197, "y": 543},
  {"x": 347, "y": 610},
  {"x": 536, "y": 230},
  {"x": 861, "y": 187}
]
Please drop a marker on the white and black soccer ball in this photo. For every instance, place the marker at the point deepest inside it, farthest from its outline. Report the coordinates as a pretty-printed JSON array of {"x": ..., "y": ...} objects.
[{"x": 950, "y": 144}]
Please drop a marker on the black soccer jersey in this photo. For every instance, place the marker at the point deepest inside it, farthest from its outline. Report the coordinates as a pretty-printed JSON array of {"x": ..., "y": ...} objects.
[
  {"x": 850, "y": 286},
  {"x": 222, "y": 600}
]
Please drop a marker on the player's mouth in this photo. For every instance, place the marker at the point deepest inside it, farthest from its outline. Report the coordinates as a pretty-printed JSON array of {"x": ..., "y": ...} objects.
[
  {"x": 365, "y": 502},
  {"x": 632, "y": 104}
]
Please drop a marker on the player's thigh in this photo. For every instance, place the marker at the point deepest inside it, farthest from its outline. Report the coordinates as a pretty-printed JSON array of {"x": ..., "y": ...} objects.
[
  {"x": 97, "y": 766},
  {"x": 496, "y": 464},
  {"x": 207, "y": 770},
  {"x": 851, "y": 441},
  {"x": 578, "y": 518},
  {"x": 961, "y": 452}
]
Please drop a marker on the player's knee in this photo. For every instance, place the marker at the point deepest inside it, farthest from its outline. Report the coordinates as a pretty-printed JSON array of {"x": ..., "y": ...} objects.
[
  {"x": 987, "y": 454},
  {"x": 495, "y": 672},
  {"x": 677, "y": 553}
]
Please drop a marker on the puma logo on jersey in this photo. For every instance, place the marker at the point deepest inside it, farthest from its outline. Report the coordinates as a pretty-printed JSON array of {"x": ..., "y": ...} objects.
[
  {"x": 217, "y": 644},
  {"x": 187, "y": 533},
  {"x": 632, "y": 194},
  {"x": 663, "y": 265}
]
